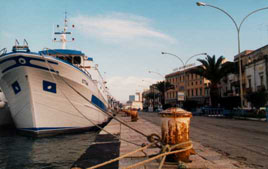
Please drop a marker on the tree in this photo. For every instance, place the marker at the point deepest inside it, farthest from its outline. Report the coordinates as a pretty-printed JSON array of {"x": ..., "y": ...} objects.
[
  {"x": 214, "y": 70},
  {"x": 162, "y": 87},
  {"x": 151, "y": 96},
  {"x": 258, "y": 98}
]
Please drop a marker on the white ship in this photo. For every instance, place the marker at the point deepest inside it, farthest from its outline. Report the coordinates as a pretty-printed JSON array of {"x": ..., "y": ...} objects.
[{"x": 54, "y": 90}]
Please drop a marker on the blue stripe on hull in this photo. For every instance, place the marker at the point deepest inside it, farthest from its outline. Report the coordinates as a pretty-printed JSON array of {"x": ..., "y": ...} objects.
[
  {"x": 97, "y": 102},
  {"x": 52, "y": 131},
  {"x": 25, "y": 61}
]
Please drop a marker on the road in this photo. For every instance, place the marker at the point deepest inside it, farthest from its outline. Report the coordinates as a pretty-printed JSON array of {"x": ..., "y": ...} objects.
[{"x": 242, "y": 140}]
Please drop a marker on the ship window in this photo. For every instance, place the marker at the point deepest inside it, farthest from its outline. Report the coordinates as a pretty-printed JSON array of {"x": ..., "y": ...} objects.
[{"x": 77, "y": 60}]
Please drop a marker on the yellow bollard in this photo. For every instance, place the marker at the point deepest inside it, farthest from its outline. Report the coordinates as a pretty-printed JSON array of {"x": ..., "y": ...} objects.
[
  {"x": 134, "y": 115},
  {"x": 175, "y": 129},
  {"x": 128, "y": 112}
]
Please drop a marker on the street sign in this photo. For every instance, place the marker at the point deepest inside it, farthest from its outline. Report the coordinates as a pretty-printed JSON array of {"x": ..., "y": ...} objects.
[{"x": 180, "y": 96}]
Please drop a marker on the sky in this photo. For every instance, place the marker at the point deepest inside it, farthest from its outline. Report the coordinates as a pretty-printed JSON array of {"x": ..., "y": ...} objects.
[{"x": 126, "y": 37}]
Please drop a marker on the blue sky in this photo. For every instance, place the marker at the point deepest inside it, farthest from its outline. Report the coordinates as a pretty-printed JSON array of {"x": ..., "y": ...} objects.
[{"x": 126, "y": 37}]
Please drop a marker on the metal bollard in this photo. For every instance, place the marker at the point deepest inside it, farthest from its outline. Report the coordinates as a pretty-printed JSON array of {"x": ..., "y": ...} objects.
[
  {"x": 134, "y": 115},
  {"x": 175, "y": 129}
]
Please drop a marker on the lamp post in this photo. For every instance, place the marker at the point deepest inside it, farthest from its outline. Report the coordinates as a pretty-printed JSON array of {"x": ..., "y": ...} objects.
[
  {"x": 238, "y": 28},
  {"x": 184, "y": 65}
]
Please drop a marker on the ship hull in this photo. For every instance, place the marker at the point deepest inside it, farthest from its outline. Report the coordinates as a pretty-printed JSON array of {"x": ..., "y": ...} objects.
[{"x": 48, "y": 96}]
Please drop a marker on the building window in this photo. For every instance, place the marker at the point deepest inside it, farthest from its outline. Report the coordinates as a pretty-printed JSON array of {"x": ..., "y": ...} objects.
[
  {"x": 192, "y": 92},
  {"x": 196, "y": 82},
  {"x": 200, "y": 92},
  {"x": 249, "y": 83},
  {"x": 200, "y": 81},
  {"x": 188, "y": 92}
]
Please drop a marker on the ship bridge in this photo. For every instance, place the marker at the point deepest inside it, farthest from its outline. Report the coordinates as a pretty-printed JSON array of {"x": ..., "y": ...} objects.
[{"x": 67, "y": 55}]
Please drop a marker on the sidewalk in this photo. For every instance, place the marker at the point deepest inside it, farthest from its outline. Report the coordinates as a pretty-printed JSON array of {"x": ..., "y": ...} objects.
[{"x": 204, "y": 158}]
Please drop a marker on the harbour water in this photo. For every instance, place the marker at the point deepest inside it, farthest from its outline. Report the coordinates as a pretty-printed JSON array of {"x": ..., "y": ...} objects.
[{"x": 58, "y": 152}]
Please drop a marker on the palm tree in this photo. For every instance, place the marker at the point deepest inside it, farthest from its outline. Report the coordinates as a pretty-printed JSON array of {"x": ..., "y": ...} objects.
[
  {"x": 214, "y": 70},
  {"x": 162, "y": 87}
]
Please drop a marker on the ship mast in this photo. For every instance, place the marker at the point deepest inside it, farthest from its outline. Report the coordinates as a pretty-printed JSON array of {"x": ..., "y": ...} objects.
[{"x": 63, "y": 37}]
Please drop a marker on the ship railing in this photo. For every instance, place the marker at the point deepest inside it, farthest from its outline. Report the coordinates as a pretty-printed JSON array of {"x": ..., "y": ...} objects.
[{"x": 20, "y": 48}]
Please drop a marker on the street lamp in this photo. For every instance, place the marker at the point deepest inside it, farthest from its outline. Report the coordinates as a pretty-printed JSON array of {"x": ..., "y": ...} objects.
[
  {"x": 238, "y": 28},
  {"x": 156, "y": 73},
  {"x": 184, "y": 65}
]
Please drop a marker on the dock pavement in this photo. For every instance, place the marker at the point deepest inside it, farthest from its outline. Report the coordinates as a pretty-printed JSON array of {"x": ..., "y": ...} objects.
[{"x": 205, "y": 158}]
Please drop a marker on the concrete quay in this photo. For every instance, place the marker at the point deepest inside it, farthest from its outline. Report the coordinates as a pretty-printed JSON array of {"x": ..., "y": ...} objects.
[{"x": 205, "y": 157}]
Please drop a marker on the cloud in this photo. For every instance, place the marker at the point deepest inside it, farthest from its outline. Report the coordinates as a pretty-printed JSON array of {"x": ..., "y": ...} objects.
[
  {"x": 118, "y": 27},
  {"x": 121, "y": 87}
]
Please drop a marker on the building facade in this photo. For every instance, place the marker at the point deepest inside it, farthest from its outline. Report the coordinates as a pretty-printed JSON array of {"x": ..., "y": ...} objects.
[
  {"x": 254, "y": 71},
  {"x": 192, "y": 86}
]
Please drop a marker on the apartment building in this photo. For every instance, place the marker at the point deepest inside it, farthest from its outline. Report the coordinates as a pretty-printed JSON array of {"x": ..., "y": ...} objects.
[
  {"x": 191, "y": 86},
  {"x": 256, "y": 69}
]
